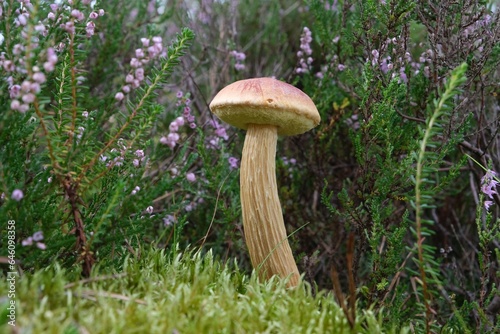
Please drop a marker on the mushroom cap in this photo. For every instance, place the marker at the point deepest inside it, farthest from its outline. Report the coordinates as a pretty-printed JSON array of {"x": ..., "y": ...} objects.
[{"x": 266, "y": 101}]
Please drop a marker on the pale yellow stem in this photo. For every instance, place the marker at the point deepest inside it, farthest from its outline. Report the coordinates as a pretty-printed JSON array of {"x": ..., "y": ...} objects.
[{"x": 265, "y": 232}]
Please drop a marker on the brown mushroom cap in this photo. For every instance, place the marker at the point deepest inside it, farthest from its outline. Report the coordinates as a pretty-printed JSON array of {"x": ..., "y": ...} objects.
[{"x": 266, "y": 101}]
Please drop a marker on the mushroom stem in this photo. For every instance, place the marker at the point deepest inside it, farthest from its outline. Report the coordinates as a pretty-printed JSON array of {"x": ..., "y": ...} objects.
[{"x": 265, "y": 232}]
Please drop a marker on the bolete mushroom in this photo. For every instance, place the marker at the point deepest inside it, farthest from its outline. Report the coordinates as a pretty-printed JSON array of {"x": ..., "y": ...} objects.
[{"x": 266, "y": 108}]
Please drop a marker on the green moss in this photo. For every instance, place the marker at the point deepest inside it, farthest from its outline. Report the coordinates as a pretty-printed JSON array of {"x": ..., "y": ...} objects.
[{"x": 186, "y": 293}]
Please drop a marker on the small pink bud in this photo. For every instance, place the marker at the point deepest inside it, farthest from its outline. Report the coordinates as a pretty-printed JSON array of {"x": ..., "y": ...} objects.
[
  {"x": 190, "y": 177},
  {"x": 17, "y": 195},
  {"x": 39, "y": 77},
  {"x": 180, "y": 121},
  {"x": 119, "y": 96}
]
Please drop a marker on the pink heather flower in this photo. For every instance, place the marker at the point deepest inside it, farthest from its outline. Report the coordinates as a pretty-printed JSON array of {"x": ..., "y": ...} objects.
[
  {"x": 22, "y": 20},
  {"x": 192, "y": 125},
  {"x": 427, "y": 71},
  {"x": 39, "y": 77},
  {"x": 90, "y": 29},
  {"x": 139, "y": 153},
  {"x": 402, "y": 75},
  {"x": 17, "y": 49},
  {"x": 15, "y": 104},
  {"x": 53, "y": 7},
  {"x": 28, "y": 98},
  {"x": 489, "y": 183},
  {"x": 134, "y": 62},
  {"x": 85, "y": 114},
  {"x": 179, "y": 94},
  {"x": 93, "y": 16},
  {"x": 169, "y": 220},
  {"x": 41, "y": 29},
  {"x": 487, "y": 205},
  {"x": 164, "y": 140},
  {"x": 135, "y": 190},
  {"x": 35, "y": 87},
  {"x": 305, "y": 41},
  {"x": 51, "y": 55},
  {"x": 129, "y": 78},
  {"x": 157, "y": 40},
  {"x": 145, "y": 42},
  {"x": 233, "y": 163},
  {"x": 86, "y": 2},
  {"x": 239, "y": 67},
  {"x": 190, "y": 177},
  {"x": 214, "y": 143},
  {"x": 119, "y": 96},
  {"x": 221, "y": 132},
  {"x": 407, "y": 56},
  {"x": 9, "y": 66},
  {"x": 149, "y": 209},
  {"x": 126, "y": 89},
  {"x": 27, "y": 242},
  {"x": 14, "y": 91},
  {"x": 139, "y": 74},
  {"x": 17, "y": 195},
  {"x": 49, "y": 67},
  {"x": 139, "y": 53},
  {"x": 101, "y": 12},
  {"x": 23, "y": 108},
  {"x": 38, "y": 236},
  {"x": 180, "y": 121},
  {"x": 168, "y": 141},
  {"x": 69, "y": 27},
  {"x": 305, "y": 50},
  {"x": 26, "y": 86},
  {"x": 77, "y": 15},
  {"x": 341, "y": 67},
  {"x": 375, "y": 55},
  {"x": 239, "y": 57},
  {"x": 174, "y": 137},
  {"x": 173, "y": 126}
]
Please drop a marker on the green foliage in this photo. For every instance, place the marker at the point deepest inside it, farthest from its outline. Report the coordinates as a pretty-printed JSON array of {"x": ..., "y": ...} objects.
[
  {"x": 427, "y": 163},
  {"x": 77, "y": 165}
]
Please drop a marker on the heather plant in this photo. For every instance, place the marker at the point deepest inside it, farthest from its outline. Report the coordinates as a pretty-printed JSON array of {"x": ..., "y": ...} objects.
[
  {"x": 382, "y": 77},
  {"x": 76, "y": 166}
]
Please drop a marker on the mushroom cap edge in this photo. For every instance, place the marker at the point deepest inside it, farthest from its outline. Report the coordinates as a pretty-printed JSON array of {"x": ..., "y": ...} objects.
[{"x": 266, "y": 101}]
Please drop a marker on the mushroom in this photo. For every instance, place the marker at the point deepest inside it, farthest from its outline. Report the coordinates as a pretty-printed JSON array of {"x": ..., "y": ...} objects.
[{"x": 265, "y": 108}]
